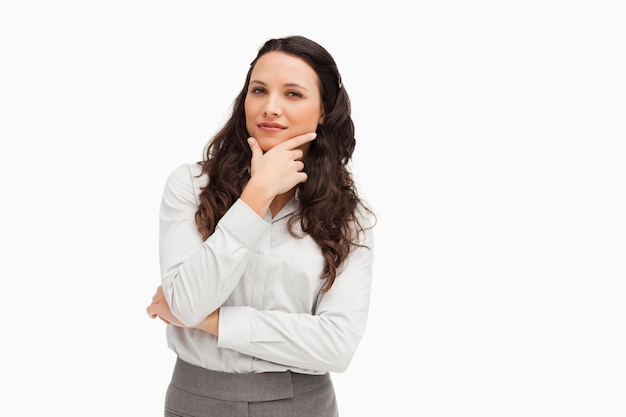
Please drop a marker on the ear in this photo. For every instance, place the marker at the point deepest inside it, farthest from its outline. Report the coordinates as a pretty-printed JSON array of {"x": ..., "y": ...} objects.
[{"x": 321, "y": 121}]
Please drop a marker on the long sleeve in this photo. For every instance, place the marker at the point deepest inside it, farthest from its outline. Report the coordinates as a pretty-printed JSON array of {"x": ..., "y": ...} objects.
[
  {"x": 197, "y": 276},
  {"x": 325, "y": 341}
]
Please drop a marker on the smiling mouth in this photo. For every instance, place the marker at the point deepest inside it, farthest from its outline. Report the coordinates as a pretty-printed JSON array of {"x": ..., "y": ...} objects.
[{"x": 271, "y": 126}]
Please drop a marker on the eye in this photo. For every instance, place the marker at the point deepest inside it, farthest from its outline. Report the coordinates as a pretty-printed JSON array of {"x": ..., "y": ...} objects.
[
  {"x": 257, "y": 90},
  {"x": 294, "y": 94}
]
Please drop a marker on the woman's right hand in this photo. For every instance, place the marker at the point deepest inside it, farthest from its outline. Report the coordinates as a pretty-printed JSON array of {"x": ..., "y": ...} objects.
[{"x": 274, "y": 172}]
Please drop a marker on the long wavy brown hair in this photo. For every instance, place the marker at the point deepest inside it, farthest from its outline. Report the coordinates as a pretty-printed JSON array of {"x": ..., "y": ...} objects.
[{"x": 328, "y": 199}]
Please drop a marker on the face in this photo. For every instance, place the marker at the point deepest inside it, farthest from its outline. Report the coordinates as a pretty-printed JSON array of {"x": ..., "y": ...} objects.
[{"x": 283, "y": 99}]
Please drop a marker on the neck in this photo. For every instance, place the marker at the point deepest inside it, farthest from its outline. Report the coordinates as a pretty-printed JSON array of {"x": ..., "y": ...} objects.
[{"x": 280, "y": 200}]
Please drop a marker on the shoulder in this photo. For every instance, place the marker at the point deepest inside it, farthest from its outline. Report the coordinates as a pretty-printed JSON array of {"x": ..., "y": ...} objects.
[
  {"x": 188, "y": 173},
  {"x": 185, "y": 181}
]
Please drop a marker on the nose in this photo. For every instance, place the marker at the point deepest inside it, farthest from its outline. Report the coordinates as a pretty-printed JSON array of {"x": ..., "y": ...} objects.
[{"x": 271, "y": 107}]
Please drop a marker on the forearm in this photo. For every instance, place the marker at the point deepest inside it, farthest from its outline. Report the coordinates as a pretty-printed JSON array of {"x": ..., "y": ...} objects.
[
  {"x": 199, "y": 276},
  {"x": 321, "y": 343},
  {"x": 210, "y": 324}
]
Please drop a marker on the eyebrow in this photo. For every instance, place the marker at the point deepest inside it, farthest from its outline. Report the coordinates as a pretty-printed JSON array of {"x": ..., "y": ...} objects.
[{"x": 286, "y": 85}]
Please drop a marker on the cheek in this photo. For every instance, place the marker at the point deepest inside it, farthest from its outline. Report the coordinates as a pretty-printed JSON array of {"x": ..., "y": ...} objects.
[
  {"x": 312, "y": 118},
  {"x": 248, "y": 111}
]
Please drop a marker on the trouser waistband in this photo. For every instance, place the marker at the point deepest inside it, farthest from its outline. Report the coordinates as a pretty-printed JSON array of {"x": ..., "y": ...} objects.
[{"x": 265, "y": 386}]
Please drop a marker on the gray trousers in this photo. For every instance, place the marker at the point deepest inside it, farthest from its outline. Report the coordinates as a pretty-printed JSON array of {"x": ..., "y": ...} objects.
[{"x": 198, "y": 392}]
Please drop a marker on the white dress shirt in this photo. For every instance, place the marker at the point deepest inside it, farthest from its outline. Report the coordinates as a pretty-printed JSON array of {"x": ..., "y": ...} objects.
[{"x": 266, "y": 283}]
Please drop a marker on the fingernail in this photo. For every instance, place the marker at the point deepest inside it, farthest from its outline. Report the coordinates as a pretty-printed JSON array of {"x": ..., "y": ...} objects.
[
  {"x": 250, "y": 141},
  {"x": 313, "y": 135}
]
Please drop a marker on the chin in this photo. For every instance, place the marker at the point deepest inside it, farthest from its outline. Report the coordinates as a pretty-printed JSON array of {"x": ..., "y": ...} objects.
[{"x": 267, "y": 144}]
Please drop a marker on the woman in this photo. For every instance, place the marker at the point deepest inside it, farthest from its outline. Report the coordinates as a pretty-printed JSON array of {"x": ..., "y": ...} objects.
[{"x": 266, "y": 248}]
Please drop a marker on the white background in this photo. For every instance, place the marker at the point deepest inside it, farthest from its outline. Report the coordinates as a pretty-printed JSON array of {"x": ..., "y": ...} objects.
[{"x": 490, "y": 140}]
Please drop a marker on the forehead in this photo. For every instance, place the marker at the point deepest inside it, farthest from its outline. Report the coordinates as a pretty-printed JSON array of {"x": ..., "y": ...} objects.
[{"x": 283, "y": 68}]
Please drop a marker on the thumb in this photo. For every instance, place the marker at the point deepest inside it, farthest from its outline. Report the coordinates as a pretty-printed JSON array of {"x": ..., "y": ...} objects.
[
  {"x": 255, "y": 148},
  {"x": 257, "y": 153}
]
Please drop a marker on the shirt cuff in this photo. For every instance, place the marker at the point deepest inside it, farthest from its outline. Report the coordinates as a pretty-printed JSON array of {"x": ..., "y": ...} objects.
[
  {"x": 244, "y": 224},
  {"x": 235, "y": 331}
]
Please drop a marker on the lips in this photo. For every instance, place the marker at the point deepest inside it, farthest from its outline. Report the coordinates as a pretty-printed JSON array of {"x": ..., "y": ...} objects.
[{"x": 271, "y": 126}]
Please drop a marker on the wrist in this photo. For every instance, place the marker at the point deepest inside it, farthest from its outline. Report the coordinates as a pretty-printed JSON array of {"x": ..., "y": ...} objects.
[
  {"x": 211, "y": 323},
  {"x": 257, "y": 197}
]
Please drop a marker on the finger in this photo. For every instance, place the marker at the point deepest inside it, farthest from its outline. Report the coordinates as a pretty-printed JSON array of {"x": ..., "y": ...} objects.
[
  {"x": 297, "y": 141},
  {"x": 257, "y": 152},
  {"x": 158, "y": 293},
  {"x": 297, "y": 154}
]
